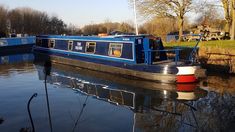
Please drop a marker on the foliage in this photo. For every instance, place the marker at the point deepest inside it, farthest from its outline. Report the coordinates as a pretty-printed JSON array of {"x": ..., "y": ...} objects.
[
  {"x": 160, "y": 26},
  {"x": 3, "y": 21},
  {"x": 166, "y": 8},
  {"x": 33, "y": 22},
  {"x": 210, "y": 16},
  {"x": 29, "y": 21},
  {"x": 107, "y": 27}
]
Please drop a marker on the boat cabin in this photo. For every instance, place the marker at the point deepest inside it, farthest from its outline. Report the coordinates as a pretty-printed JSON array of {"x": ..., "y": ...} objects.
[{"x": 128, "y": 49}]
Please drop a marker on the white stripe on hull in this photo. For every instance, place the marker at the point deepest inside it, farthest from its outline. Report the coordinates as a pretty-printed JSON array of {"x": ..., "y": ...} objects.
[{"x": 187, "y": 70}]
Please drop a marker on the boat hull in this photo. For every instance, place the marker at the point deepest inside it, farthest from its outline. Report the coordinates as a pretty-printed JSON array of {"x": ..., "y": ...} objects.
[
  {"x": 128, "y": 73},
  {"x": 186, "y": 78},
  {"x": 185, "y": 74}
]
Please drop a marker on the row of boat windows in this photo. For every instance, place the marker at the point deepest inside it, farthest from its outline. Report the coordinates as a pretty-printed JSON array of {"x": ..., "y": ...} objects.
[{"x": 115, "y": 49}]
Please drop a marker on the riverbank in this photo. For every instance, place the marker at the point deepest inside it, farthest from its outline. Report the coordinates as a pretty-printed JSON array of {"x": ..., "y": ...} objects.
[
  {"x": 215, "y": 56},
  {"x": 217, "y": 59}
]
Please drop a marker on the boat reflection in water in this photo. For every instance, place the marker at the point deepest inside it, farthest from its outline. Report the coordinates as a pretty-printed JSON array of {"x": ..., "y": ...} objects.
[
  {"x": 155, "y": 106},
  {"x": 8, "y": 63},
  {"x": 16, "y": 58}
]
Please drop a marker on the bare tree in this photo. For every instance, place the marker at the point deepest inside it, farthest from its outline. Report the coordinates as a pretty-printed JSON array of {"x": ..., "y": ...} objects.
[
  {"x": 33, "y": 22},
  {"x": 15, "y": 21},
  {"x": 233, "y": 20},
  {"x": 227, "y": 14},
  {"x": 125, "y": 27},
  {"x": 160, "y": 26},
  {"x": 3, "y": 21},
  {"x": 110, "y": 26},
  {"x": 166, "y": 8},
  {"x": 212, "y": 17}
]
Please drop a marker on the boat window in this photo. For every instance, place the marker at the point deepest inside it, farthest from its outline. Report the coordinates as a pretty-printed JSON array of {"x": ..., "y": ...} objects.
[
  {"x": 38, "y": 41},
  {"x": 51, "y": 43},
  {"x": 115, "y": 49},
  {"x": 70, "y": 45},
  {"x": 90, "y": 47}
]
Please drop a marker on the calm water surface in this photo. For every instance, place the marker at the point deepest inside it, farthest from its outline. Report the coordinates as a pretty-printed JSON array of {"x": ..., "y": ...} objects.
[{"x": 71, "y": 99}]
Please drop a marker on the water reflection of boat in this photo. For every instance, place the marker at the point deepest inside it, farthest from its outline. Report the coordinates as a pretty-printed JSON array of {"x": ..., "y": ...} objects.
[
  {"x": 93, "y": 83},
  {"x": 16, "y": 58},
  {"x": 21, "y": 61},
  {"x": 144, "y": 102},
  {"x": 127, "y": 80},
  {"x": 189, "y": 92}
]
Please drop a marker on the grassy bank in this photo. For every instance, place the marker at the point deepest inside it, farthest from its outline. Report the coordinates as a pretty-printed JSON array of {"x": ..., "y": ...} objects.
[
  {"x": 218, "y": 56},
  {"x": 219, "y": 43}
]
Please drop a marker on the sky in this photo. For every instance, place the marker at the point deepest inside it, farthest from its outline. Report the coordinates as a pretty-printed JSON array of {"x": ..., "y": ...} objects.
[{"x": 79, "y": 12}]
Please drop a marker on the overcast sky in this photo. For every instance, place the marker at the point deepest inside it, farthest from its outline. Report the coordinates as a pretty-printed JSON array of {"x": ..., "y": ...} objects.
[{"x": 79, "y": 12}]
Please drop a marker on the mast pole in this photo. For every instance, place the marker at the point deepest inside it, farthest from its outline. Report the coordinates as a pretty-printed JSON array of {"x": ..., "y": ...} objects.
[{"x": 136, "y": 25}]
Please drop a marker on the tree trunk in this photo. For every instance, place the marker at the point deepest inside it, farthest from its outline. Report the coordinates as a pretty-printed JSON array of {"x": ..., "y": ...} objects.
[
  {"x": 227, "y": 26},
  {"x": 227, "y": 14},
  {"x": 233, "y": 21},
  {"x": 180, "y": 26}
]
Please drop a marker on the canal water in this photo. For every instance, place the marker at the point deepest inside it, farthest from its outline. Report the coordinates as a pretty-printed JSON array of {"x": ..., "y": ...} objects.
[{"x": 42, "y": 96}]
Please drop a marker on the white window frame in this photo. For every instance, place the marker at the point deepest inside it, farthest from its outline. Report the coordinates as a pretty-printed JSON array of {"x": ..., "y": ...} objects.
[
  {"x": 51, "y": 41},
  {"x": 87, "y": 45},
  {"x": 70, "y": 42},
  {"x": 110, "y": 48}
]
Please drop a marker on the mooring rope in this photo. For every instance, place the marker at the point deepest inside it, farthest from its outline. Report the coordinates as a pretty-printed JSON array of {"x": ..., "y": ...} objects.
[{"x": 28, "y": 107}]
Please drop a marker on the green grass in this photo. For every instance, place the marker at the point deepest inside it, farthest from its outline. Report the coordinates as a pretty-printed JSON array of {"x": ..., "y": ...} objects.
[{"x": 218, "y": 43}]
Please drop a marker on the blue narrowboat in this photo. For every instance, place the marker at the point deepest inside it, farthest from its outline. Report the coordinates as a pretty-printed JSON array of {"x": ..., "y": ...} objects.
[
  {"x": 16, "y": 44},
  {"x": 138, "y": 56}
]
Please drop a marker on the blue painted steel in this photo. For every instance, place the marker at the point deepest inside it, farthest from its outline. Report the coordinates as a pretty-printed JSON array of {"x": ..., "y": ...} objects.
[
  {"x": 137, "y": 67},
  {"x": 17, "y": 41},
  {"x": 147, "y": 53},
  {"x": 89, "y": 56},
  {"x": 177, "y": 56},
  {"x": 87, "y": 38},
  {"x": 176, "y": 51},
  {"x": 132, "y": 52},
  {"x": 101, "y": 52},
  {"x": 141, "y": 42},
  {"x": 139, "y": 54},
  {"x": 150, "y": 48}
]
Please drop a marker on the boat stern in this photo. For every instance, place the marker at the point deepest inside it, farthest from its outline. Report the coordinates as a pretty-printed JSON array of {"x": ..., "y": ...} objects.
[{"x": 187, "y": 74}]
